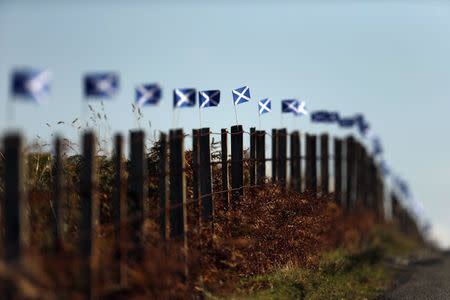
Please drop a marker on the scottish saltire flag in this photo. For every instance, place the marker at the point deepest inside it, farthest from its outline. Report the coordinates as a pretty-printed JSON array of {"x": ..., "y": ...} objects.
[
  {"x": 101, "y": 85},
  {"x": 289, "y": 106},
  {"x": 30, "y": 84},
  {"x": 264, "y": 106},
  {"x": 208, "y": 98},
  {"x": 362, "y": 124},
  {"x": 323, "y": 116},
  {"x": 184, "y": 97},
  {"x": 241, "y": 95},
  {"x": 376, "y": 146},
  {"x": 385, "y": 171},
  {"x": 148, "y": 94},
  {"x": 301, "y": 108},
  {"x": 346, "y": 122}
]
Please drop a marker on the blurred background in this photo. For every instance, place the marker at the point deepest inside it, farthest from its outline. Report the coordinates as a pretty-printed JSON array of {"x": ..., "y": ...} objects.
[{"x": 387, "y": 59}]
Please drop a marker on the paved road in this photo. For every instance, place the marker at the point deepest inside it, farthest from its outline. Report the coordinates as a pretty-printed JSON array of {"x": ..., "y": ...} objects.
[{"x": 428, "y": 280}]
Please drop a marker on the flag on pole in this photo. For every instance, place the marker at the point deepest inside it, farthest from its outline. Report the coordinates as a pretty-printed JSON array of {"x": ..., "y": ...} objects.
[
  {"x": 376, "y": 146},
  {"x": 264, "y": 106},
  {"x": 301, "y": 108},
  {"x": 208, "y": 98},
  {"x": 184, "y": 97},
  {"x": 148, "y": 94},
  {"x": 323, "y": 116},
  {"x": 30, "y": 84},
  {"x": 101, "y": 85},
  {"x": 385, "y": 171},
  {"x": 241, "y": 95},
  {"x": 346, "y": 122},
  {"x": 289, "y": 106},
  {"x": 362, "y": 124}
]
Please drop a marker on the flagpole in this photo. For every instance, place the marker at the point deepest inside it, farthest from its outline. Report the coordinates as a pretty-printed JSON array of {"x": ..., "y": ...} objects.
[
  {"x": 235, "y": 114},
  {"x": 200, "y": 116},
  {"x": 259, "y": 120}
]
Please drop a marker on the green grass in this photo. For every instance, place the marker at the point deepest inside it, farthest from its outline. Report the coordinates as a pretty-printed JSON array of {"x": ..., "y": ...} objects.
[{"x": 340, "y": 274}]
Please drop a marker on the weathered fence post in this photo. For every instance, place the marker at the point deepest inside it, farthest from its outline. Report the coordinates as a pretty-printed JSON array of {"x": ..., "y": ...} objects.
[
  {"x": 89, "y": 211},
  {"x": 311, "y": 165},
  {"x": 58, "y": 196},
  {"x": 324, "y": 160},
  {"x": 163, "y": 186},
  {"x": 137, "y": 193},
  {"x": 338, "y": 170},
  {"x": 119, "y": 210},
  {"x": 224, "y": 166},
  {"x": 205, "y": 176},
  {"x": 282, "y": 157},
  {"x": 260, "y": 157},
  {"x": 237, "y": 170},
  {"x": 252, "y": 156},
  {"x": 350, "y": 172},
  {"x": 178, "y": 221},
  {"x": 195, "y": 166},
  {"x": 274, "y": 155},
  {"x": 295, "y": 162}
]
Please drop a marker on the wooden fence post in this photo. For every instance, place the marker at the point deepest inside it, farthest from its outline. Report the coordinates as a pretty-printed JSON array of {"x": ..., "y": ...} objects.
[
  {"x": 205, "y": 177},
  {"x": 89, "y": 211},
  {"x": 350, "y": 171},
  {"x": 119, "y": 210},
  {"x": 137, "y": 193},
  {"x": 324, "y": 162},
  {"x": 282, "y": 157},
  {"x": 260, "y": 157},
  {"x": 338, "y": 170},
  {"x": 13, "y": 201},
  {"x": 224, "y": 163},
  {"x": 58, "y": 196},
  {"x": 178, "y": 216},
  {"x": 252, "y": 156},
  {"x": 311, "y": 165},
  {"x": 195, "y": 165},
  {"x": 163, "y": 186},
  {"x": 274, "y": 155},
  {"x": 295, "y": 162},
  {"x": 237, "y": 170}
]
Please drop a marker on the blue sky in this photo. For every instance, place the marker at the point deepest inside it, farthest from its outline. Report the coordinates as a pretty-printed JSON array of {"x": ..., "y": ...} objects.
[{"x": 388, "y": 60}]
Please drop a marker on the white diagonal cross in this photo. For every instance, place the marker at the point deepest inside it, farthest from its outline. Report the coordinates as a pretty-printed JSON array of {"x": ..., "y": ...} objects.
[
  {"x": 241, "y": 95},
  {"x": 105, "y": 85},
  {"x": 209, "y": 99},
  {"x": 146, "y": 94},
  {"x": 263, "y": 106},
  {"x": 184, "y": 98},
  {"x": 37, "y": 85},
  {"x": 302, "y": 108}
]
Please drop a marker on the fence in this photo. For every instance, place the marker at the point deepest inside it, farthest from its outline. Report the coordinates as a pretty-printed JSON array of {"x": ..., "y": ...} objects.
[{"x": 356, "y": 184}]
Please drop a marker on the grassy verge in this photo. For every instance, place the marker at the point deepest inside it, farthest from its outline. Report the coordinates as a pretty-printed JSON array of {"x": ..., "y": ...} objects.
[{"x": 344, "y": 273}]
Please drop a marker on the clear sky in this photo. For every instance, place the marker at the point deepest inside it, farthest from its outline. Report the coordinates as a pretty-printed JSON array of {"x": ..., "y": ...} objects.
[{"x": 390, "y": 60}]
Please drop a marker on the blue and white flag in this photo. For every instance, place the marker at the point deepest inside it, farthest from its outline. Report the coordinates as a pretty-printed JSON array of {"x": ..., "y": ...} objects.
[
  {"x": 362, "y": 124},
  {"x": 148, "y": 94},
  {"x": 385, "y": 171},
  {"x": 264, "y": 106},
  {"x": 241, "y": 95},
  {"x": 323, "y": 116},
  {"x": 184, "y": 97},
  {"x": 208, "y": 98},
  {"x": 377, "y": 148},
  {"x": 301, "y": 109},
  {"x": 101, "y": 85},
  {"x": 31, "y": 84},
  {"x": 346, "y": 122},
  {"x": 289, "y": 106}
]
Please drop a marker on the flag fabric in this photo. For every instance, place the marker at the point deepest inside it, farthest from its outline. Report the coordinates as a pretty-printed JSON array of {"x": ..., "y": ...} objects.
[
  {"x": 31, "y": 83},
  {"x": 289, "y": 106},
  {"x": 346, "y": 122},
  {"x": 385, "y": 171},
  {"x": 184, "y": 97},
  {"x": 208, "y": 98},
  {"x": 301, "y": 108},
  {"x": 376, "y": 146},
  {"x": 148, "y": 94},
  {"x": 264, "y": 106},
  {"x": 101, "y": 85},
  {"x": 323, "y": 116},
  {"x": 241, "y": 95},
  {"x": 362, "y": 124}
]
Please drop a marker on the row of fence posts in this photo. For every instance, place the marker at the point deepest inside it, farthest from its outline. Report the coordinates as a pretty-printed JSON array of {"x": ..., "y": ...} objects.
[{"x": 363, "y": 185}]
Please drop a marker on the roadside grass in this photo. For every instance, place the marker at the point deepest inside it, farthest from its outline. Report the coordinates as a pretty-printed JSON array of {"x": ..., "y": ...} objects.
[{"x": 343, "y": 273}]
